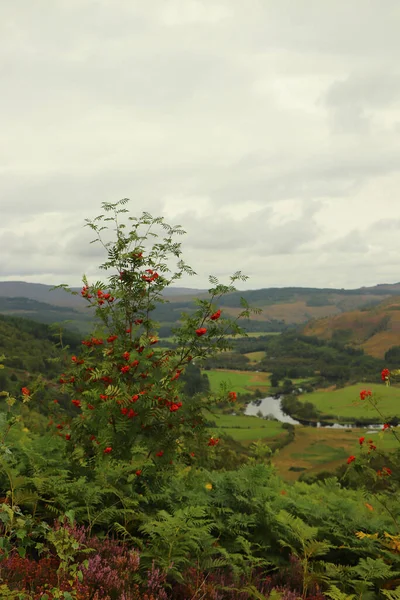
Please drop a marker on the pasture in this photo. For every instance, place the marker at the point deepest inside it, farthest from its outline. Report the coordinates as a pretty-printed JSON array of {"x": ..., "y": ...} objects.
[
  {"x": 245, "y": 429},
  {"x": 324, "y": 449},
  {"x": 241, "y": 382},
  {"x": 344, "y": 403},
  {"x": 255, "y": 357}
]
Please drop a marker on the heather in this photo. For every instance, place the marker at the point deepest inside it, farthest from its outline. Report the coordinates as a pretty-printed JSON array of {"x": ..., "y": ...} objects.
[{"x": 113, "y": 485}]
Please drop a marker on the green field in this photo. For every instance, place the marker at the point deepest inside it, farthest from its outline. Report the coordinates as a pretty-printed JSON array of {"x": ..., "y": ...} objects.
[
  {"x": 241, "y": 382},
  {"x": 251, "y": 334},
  {"x": 255, "y": 357},
  {"x": 257, "y": 334},
  {"x": 345, "y": 403},
  {"x": 243, "y": 429},
  {"x": 317, "y": 449}
]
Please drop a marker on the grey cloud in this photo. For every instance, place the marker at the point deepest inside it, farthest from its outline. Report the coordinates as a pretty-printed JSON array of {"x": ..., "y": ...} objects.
[
  {"x": 218, "y": 115},
  {"x": 354, "y": 242},
  {"x": 352, "y": 100}
]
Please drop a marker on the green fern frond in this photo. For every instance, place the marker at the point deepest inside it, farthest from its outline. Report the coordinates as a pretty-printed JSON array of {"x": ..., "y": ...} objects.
[
  {"x": 392, "y": 594},
  {"x": 335, "y": 594}
]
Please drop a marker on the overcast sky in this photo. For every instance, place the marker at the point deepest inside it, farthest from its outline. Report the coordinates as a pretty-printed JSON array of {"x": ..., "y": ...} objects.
[{"x": 269, "y": 129}]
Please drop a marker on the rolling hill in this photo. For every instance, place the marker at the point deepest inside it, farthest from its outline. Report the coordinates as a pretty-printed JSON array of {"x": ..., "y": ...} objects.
[
  {"x": 374, "y": 329},
  {"x": 281, "y": 307}
]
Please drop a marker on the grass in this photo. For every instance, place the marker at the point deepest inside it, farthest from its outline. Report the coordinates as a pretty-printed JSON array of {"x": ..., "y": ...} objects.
[
  {"x": 242, "y": 382},
  {"x": 321, "y": 449},
  {"x": 251, "y": 334},
  {"x": 255, "y": 357},
  {"x": 245, "y": 429},
  {"x": 344, "y": 403}
]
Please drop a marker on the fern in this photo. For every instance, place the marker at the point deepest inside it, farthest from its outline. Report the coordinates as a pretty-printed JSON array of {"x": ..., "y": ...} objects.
[
  {"x": 335, "y": 594},
  {"x": 392, "y": 594}
]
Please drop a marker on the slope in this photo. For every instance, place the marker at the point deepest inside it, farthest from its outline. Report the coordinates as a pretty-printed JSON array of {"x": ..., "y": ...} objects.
[{"x": 374, "y": 329}]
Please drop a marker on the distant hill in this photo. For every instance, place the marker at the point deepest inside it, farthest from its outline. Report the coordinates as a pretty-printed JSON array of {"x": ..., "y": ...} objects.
[
  {"x": 58, "y": 297},
  {"x": 281, "y": 307},
  {"x": 374, "y": 329}
]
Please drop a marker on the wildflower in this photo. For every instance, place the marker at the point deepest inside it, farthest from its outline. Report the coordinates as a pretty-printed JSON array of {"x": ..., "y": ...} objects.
[
  {"x": 361, "y": 440},
  {"x": 201, "y": 331},
  {"x": 232, "y": 396},
  {"x": 107, "y": 450},
  {"x": 76, "y": 403},
  {"x": 216, "y": 316},
  {"x": 351, "y": 459},
  {"x": 208, "y": 486},
  {"x": 25, "y": 391}
]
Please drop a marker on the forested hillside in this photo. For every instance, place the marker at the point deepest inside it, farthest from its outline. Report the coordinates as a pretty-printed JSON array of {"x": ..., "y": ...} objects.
[
  {"x": 280, "y": 307},
  {"x": 375, "y": 329}
]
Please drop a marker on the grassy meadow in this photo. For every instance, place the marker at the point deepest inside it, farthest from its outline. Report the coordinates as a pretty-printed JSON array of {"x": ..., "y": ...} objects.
[
  {"x": 244, "y": 428},
  {"x": 316, "y": 449},
  {"x": 344, "y": 403},
  {"x": 242, "y": 382},
  {"x": 255, "y": 357}
]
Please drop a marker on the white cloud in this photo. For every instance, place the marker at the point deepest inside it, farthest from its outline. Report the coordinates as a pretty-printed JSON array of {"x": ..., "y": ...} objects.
[{"x": 268, "y": 129}]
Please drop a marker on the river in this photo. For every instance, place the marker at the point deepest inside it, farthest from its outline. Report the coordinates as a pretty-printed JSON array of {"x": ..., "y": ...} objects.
[{"x": 272, "y": 406}]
